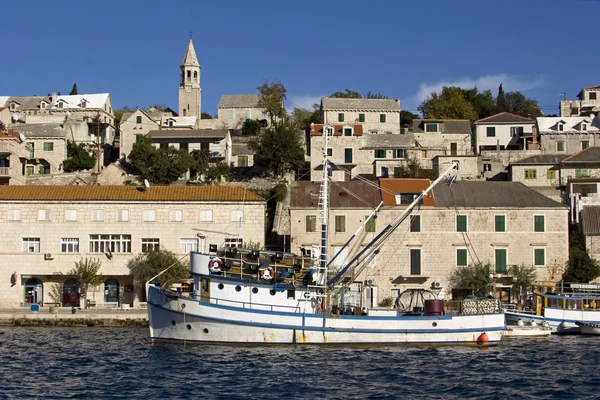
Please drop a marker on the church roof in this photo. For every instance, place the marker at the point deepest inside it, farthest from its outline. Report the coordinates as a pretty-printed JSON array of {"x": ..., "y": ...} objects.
[
  {"x": 239, "y": 100},
  {"x": 190, "y": 55}
]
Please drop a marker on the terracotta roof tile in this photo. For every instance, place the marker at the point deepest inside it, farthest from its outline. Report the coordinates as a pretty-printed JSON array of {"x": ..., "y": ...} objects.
[{"x": 127, "y": 193}]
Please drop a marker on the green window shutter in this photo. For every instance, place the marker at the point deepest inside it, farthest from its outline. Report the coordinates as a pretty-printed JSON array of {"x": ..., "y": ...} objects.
[
  {"x": 461, "y": 257},
  {"x": 361, "y": 117},
  {"x": 348, "y": 156},
  {"x": 138, "y": 138},
  {"x": 329, "y": 152},
  {"x": 347, "y": 131},
  {"x": 380, "y": 153},
  {"x": 539, "y": 223},
  {"x": 370, "y": 226},
  {"x": 461, "y": 223},
  {"x": 340, "y": 117},
  {"x": 138, "y": 119},
  {"x": 340, "y": 223},
  {"x": 415, "y": 223},
  {"x": 381, "y": 117},
  {"x": 311, "y": 223},
  {"x": 551, "y": 174},
  {"x": 540, "y": 257},
  {"x": 431, "y": 128},
  {"x": 491, "y": 131},
  {"x": 500, "y": 261},
  {"x": 415, "y": 261},
  {"x": 500, "y": 223}
]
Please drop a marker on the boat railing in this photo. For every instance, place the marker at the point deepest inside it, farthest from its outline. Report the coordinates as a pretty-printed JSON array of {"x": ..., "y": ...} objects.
[
  {"x": 252, "y": 306},
  {"x": 473, "y": 306}
]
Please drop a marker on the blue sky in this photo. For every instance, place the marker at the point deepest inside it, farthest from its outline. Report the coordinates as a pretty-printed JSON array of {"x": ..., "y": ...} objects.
[{"x": 398, "y": 48}]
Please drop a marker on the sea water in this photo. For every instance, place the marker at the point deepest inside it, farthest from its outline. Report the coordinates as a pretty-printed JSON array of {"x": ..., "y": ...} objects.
[{"x": 105, "y": 363}]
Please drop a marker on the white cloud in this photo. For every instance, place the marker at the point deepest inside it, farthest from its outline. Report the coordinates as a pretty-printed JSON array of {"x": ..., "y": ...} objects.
[
  {"x": 303, "y": 101},
  {"x": 510, "y": 83}
]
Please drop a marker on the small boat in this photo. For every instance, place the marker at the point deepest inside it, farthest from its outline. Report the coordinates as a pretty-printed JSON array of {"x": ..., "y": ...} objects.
[
  {"x": 530, "y": 330},
  {"x": 588, "y": 328},
  {"x": 266, "y": 297}
]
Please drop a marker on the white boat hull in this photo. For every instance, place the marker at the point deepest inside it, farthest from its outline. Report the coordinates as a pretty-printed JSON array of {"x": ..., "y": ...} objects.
[
  {"x": 183, "y": 319},
  {"x": 561, "y": 320}
]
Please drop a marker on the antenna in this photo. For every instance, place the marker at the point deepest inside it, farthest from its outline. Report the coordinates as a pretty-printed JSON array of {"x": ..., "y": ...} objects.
[
  {"x": 21, "y": 136},
  {"x": 146, "y": 183}
]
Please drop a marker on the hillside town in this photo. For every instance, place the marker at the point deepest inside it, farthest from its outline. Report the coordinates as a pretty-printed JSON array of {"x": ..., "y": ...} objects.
[{"x": 523, "y": 184}]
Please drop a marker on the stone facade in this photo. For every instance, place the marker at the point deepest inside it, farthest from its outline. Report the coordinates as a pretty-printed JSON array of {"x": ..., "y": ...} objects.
[
  {"x": 568, "y": 135},
  {"x": 469, "y": 167},
  {"x": 136, "y": 124},
  {"x": 377, "y": 116},
  {"x": 503, "y": 131},
  {"x": 190, "y": 91},
  {"x": 174, "y": 224},
  {"x": 588, "y": 101}
]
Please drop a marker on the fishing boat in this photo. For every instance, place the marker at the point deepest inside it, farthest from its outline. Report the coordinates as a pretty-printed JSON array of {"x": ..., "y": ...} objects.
[
  {"x": 255, "y": 296},
  {"x": 588, "y": 328},
  {"x": 563, "y": 310}
]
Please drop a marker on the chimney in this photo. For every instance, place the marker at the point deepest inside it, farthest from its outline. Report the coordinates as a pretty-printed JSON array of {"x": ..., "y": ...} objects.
[
  {"x": 535, "y": 144},
  {"x": 53, "y": 98}
]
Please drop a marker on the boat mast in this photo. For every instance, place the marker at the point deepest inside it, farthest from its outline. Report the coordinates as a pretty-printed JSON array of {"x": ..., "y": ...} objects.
[{"x": 324, "y": 206}]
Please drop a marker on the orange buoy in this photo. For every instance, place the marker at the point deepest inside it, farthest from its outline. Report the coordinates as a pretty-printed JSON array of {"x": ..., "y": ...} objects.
[{"x": 483, "y": 338}]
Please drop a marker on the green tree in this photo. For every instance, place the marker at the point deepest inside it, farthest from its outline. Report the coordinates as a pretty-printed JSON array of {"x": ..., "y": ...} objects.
[
  {"x": 517, "y": 103},
  {"x": 303, "y": 118},
  {"x": 279, "y": 147},
  {"x": 159, "y": 165},
  {"x": 78, "y": 158},
  {"x": 582, "y": 267},
  {"x": 501, "y": 99},
  {"x": 477, "y": 278},
  {"x": 147, "y": 265},
  {"x": 523, "y": 277},
  {"x": 86, "y": 274},
  {"x": 406, "y": 118},
  {"x": 251, "y": 127},
  {"x": 271, "y": 97},
  {"x": 449, "y": 104},
  {"x": 413, "y": 169},
  {"x": 215, "y": 172},
  {"x": 205, "y": 115},
  {"x": 74, "y": 89},
  {"x": 483, "y": 103},
  {"x": 371, "y": 95},
  {"x": 347, "y": 94}
]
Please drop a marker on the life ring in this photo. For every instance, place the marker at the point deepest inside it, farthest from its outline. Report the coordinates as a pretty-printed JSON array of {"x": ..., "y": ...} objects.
[
  {"x": 215, "y": 265},
  {"x": 306, "y": 295},
  {"x": 266, "y": 274}
]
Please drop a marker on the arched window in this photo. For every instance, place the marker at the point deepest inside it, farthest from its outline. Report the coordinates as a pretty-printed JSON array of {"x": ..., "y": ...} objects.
[
  {"x": 71, "y": 293},
  {"x": 189, "y": 74},
  {"x": 195, "y": 76}
]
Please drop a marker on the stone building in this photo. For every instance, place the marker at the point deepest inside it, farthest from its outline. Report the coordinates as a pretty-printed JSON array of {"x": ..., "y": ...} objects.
[
  {"x": 377, "y": 116},
  {"x": 503, "y": 131},
  {"x": 190, "y": 91},
  {"x": 49, "y": 228},
  {"x": 503, "y": 223},
  {"x": 234, "y": 109},
  {"x": 568, "y": 135},
  {"x": 588, "y": 102},
  {"x": 440, "y": 138}
]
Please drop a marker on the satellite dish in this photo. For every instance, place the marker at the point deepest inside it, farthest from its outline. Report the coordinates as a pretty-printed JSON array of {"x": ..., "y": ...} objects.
[
  {"x": 146, "y": 183},
  {"x": 21, "y": 136}
]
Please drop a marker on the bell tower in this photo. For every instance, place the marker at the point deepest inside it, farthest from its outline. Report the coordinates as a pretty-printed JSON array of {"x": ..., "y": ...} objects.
[{"x": 190, "y": 93}]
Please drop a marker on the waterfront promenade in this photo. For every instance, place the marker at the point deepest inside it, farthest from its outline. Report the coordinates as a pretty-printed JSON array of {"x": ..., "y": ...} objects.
[{"x": 64, "y": 316}]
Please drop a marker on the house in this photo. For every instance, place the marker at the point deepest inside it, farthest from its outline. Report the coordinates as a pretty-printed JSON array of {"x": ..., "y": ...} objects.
[
  {"x": 377, "y": 116},
  {"x": 504, "y": 131},
  {"x": 542, "y": 173},
  {"x": 580, "y": 173},
  {"x": 590, "y": 227},
  {"x": 440, "y": 138},
  {"x": 234, "y": 109},
  {"x": 588, "y": 102},
  {"x": 501, "y": 223},
  {"x": 135, "y": 125},
  {"x": 46, "y": 146},
  {"x": 49, "y": 228},
  {"x": 568, "y": 135},
  {"x": 13, "y": 153}
]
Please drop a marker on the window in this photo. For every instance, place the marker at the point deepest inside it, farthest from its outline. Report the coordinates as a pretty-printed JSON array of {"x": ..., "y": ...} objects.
[
  {"x": 237, "y": 215},
  {"x": 516, "y": 131},
  {"x": 406, "y": 198},
  {"x": 69, "y": 245},
  {"x": 340, "y": 117},
  {"x": 149, "y": 244},
  {"x": 340, "y": 223},
  {"x": 415, "y": 261},
  {"x": 560, "y": 146},
  {"x": 48, "y": 146},
  {"x": 431, "y": 127},
  {"x": 530, "y": 174},
  {"x": 585, "y": 144},
  {"x": 347, "y": 131},
  {"x": 122, "y": 215},
  {"x": 583, "y": 127},
  {"x": 551, "y": 174},
  {"x": 176, "y": 215},
  {"x": 380, "y": 153},
  {"x": 44, "y": 215},
  {"x": 138, "y": 119},
  {"x": 399, "y": 153},
  {"x": 539, "y": 257},
  {"x": 592, "y": 95},
  {"x": 361, "y": 117},
  {"x": 70, "y": 215},
  {"x": 581, "y": 173},
  {"x": 348, "y": 156},
  {"x": 487, "y": 167},
  {"x": 43, "y": 105},
  {"x": 14, "y": 215},
  {"x": 500, "y": 261},
  {"x": 231, "y": 114},
  {"x": 149, "y": 216},
  {"x": 138, "y": 138},
  {"x": 247, "y": 113},
  {"x": 423, "y": 154},
  {"x": 539, "y": 223},
  {"x": 311, "y": 223},
  {"x": 60, "y": 104},
  {"x": 206, "y": 216},
  {"x": 370, "y": 226},
  {"x": 415, "y": 223},
  {"x": 381, "y": 118},
  {"x": 461, "y": 223},
  {"x": 328, "y": 131},
  {"x": 97, "y": 215},
  {"x": 110, "y": 243},
  {"x": 188, "y": 245},
  {"x": 500, "y": 223},
  {"x": 462, "y": 257},
  {"x": 329, "y": 152},
  {"x": 31, "y": 245},
  {"x": 491, "y": 131},
  {"x": 574, "y": 111},
  {"x": 560, "y": 127}
]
